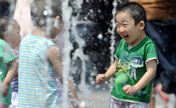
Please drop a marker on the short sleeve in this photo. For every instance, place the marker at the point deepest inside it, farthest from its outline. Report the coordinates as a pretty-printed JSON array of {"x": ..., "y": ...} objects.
[
  {"x": 118, "y": 50},
  {"x": 150, "y": 52},
  {"x": 50, "y": 43},
  {"x": 6, "y": 54}
]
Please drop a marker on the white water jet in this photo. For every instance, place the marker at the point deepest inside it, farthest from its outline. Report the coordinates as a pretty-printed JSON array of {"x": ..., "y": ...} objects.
[
  {"x": 67, "y": 11},
  {"x": 83, "y": 87},
  {"x": 78, "y": 53},
  {"x": 112, "y": 32}
]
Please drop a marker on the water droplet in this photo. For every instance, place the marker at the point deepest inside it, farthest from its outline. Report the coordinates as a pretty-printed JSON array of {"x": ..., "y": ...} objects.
[
  {"x": 82, "y": 104},
  {"x": 100, "y": 36},
  {"x": 45, "y": 13}
]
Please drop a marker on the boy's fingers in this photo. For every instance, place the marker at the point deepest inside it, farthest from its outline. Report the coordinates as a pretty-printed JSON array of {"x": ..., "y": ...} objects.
[
  {"x": 103, "y": 77},
  {"x": 129, "y": 91},
  {"x": 125, "y": 88},
  {"x": 97, "y": 79},
  {"x": 100, "y": 78}
]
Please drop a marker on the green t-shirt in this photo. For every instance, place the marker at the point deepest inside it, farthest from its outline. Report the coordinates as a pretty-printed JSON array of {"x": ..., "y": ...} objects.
[
  {"x": 6, "y": 56},
  {"x": 131, "y": 67}
]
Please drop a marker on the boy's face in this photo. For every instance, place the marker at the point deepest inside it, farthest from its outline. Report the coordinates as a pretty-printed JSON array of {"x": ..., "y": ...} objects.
[
  {"x": 127, "y": 29},
  {"x": 14, "y": 35}
]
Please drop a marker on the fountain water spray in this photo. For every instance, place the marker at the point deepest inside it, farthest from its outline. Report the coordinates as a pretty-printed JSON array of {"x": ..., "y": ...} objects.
[
  {"x": 83, "y": 87},
  {"x": 78, "y": 53},
  {"x": 67, "y": 11},
  {"x": 112, "y": 31}
]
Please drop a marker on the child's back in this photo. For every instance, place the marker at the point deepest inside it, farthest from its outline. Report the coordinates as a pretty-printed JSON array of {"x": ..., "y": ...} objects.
[{"x": 36, "y": 73}]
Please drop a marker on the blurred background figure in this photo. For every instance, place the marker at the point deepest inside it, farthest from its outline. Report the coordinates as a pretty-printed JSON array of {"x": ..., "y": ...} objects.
[{"x": 10, "y": 33}]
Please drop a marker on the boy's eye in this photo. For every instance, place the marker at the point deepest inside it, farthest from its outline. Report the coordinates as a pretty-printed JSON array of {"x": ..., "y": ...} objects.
[{"x": 125, "y": 25}]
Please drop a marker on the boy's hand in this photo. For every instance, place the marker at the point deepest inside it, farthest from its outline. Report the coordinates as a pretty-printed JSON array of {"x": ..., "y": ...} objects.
[
  {"x": 5, "y": 88},
  {"x": 130, "y": 90},
  {"x": 100, "y": 78}
]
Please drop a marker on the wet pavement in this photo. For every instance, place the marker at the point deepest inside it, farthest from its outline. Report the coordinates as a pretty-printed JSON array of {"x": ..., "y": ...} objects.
[{"x": 101, "y": 98}]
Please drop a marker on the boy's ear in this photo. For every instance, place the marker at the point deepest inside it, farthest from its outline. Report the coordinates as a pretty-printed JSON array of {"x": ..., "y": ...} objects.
[
  {"x": 142, "y": 25},
  {"x": 57, "y": 17},
  {"x": 5, "y": 35}
]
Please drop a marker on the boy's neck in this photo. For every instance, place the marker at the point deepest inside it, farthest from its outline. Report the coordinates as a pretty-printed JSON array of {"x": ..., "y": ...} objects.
[
  {"x": 38, "y": 32},
  {"x": 142, "y": 36}
]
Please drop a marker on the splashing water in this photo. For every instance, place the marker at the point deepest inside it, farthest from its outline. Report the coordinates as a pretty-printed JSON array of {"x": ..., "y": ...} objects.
[
  {"x": 83, "y": 87},
  {"x": 67, "y": 11},
  {"x": 78, "y": 53},
  {"x": 112, "y": 31}
]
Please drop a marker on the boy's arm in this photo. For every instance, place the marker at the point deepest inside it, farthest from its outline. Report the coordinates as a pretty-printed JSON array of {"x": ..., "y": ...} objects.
[
  {"x": 55, "y": 58},
  {"x": 73, "y": 94},
  {"x": 111, "y": 71},
  {"x": 146, "y": 78},
  {"x": 12, "y": 71},
  {"x": 101, "y": 78}
]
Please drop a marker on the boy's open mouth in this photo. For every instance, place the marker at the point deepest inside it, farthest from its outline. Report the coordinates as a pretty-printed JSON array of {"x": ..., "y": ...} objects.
[{"x": 125, "y": 37}]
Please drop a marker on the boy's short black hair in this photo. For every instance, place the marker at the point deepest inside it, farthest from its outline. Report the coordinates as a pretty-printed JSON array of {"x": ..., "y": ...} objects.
[
  {"x": 43, "y": 9},
  {"x": 136, "y": 11}
]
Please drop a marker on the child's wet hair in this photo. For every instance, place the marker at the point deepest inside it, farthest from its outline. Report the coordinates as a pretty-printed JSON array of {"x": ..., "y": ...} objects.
[
  {"x": 41, "y": 10},
  {"x": 4, "y": 24},
  {"x": 136, "y": 11}
]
